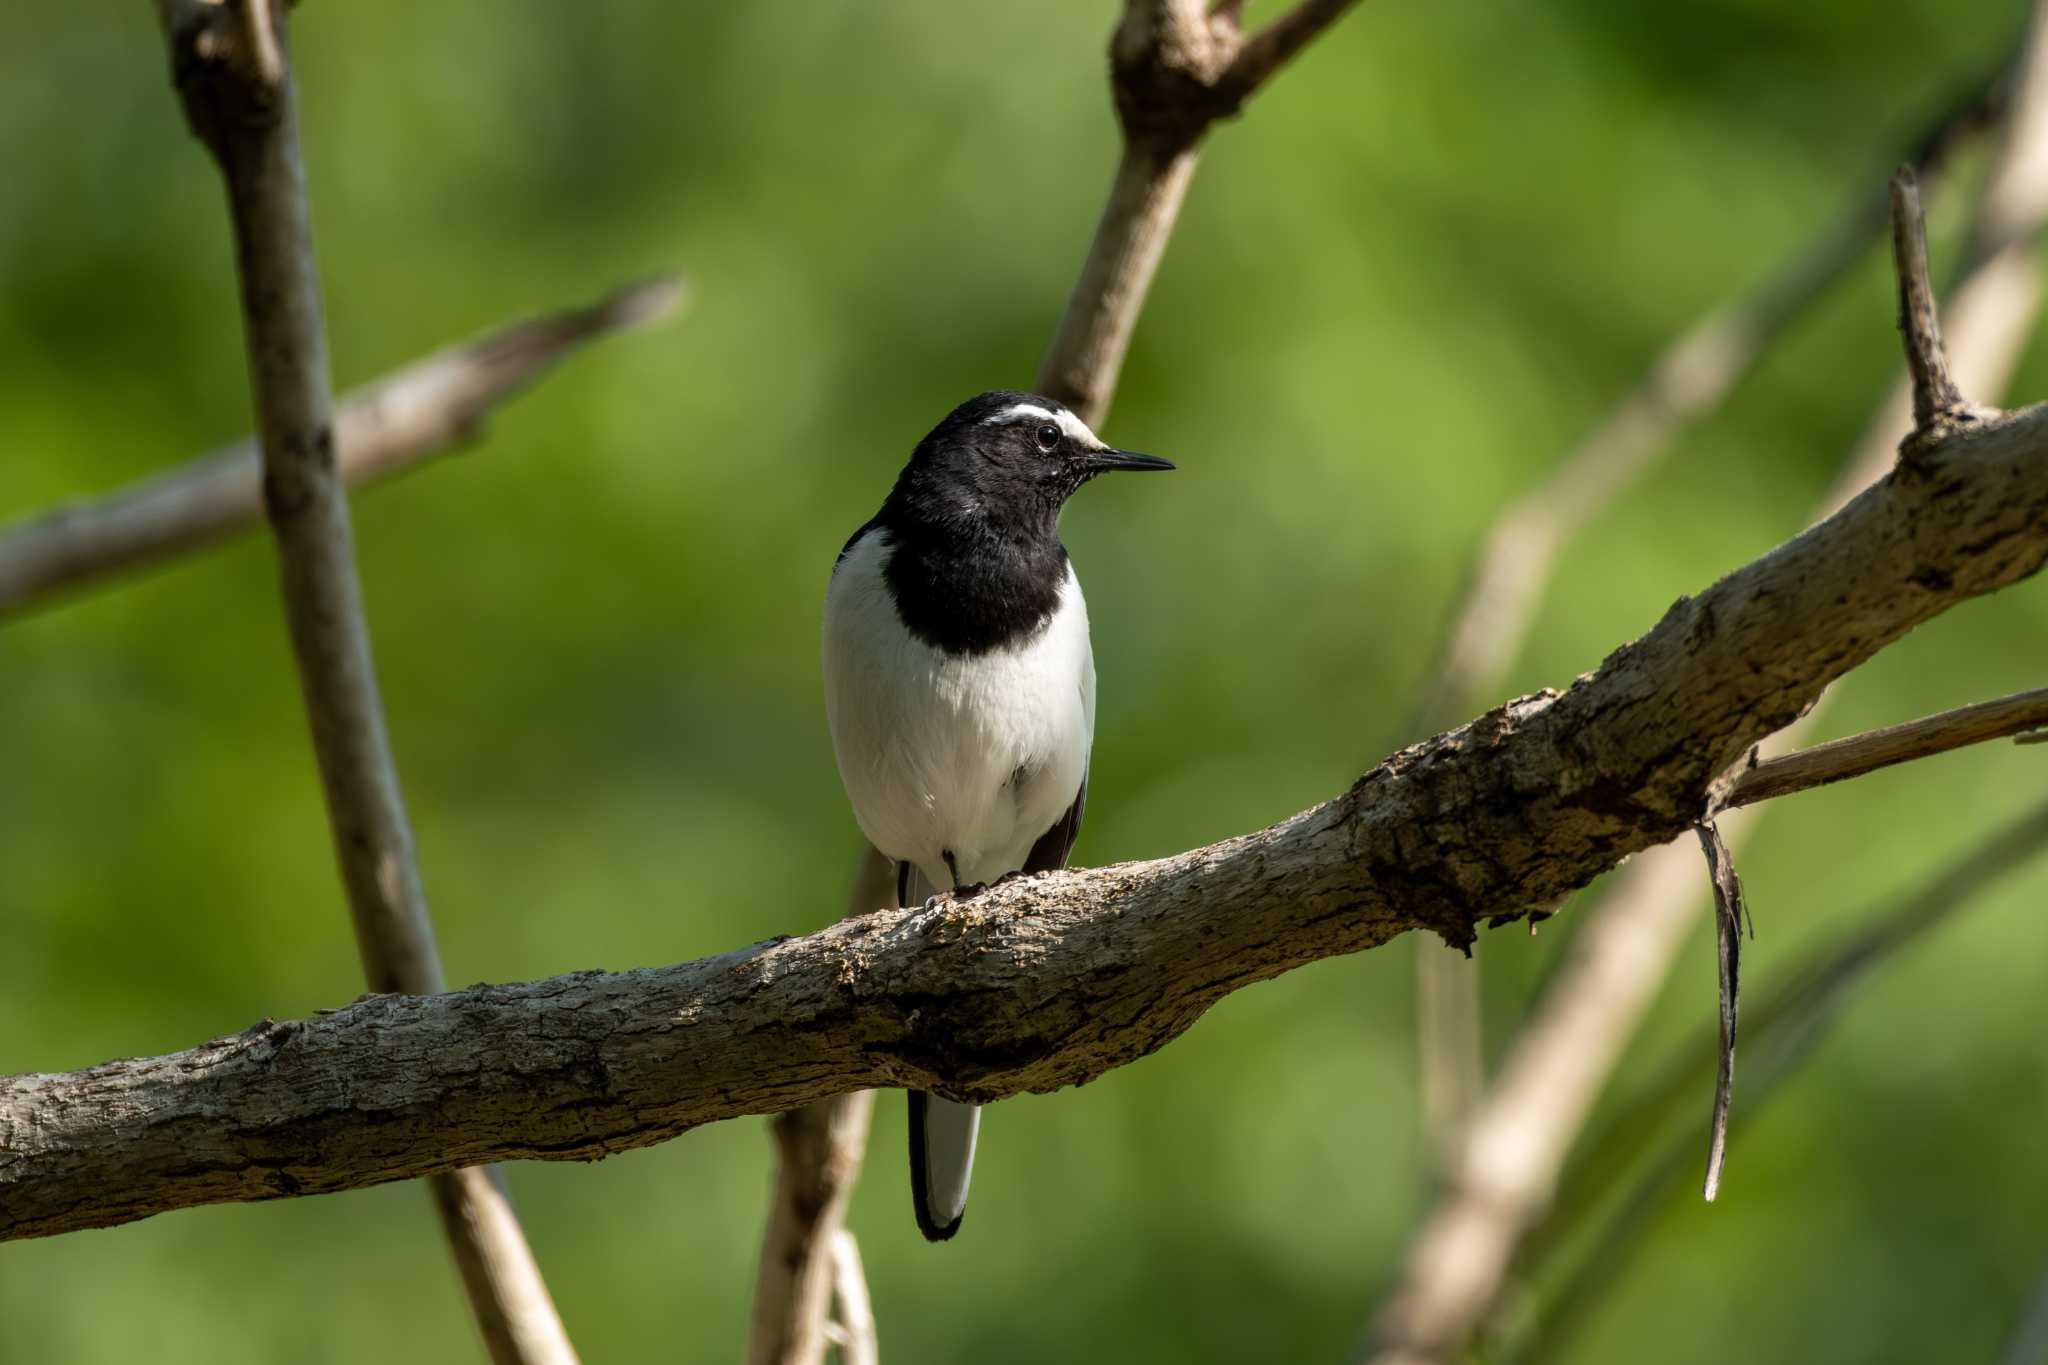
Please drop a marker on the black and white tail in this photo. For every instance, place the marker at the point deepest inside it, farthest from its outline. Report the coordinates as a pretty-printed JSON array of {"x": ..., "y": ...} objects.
[{"x": 942, "y": 1132}]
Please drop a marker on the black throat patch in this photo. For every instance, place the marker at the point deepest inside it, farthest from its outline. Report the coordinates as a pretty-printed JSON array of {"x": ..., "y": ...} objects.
[{"x": 971, "y": 593}]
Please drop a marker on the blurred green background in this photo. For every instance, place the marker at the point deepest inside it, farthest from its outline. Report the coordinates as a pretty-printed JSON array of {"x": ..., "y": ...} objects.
[{"x": 1412, "y": 274}]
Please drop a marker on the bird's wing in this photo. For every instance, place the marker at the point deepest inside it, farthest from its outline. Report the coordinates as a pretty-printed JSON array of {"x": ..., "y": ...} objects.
[{"x": 1050, "y": 853}]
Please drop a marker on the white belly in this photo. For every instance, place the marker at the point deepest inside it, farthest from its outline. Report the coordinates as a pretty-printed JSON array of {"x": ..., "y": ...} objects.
[{"x": 976, "y": 756}]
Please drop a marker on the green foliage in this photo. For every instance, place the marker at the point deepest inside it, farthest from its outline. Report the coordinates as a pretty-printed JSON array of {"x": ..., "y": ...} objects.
[{"x": 1421, "y": 263}]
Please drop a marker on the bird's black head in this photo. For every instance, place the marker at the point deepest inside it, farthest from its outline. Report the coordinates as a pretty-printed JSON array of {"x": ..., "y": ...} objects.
[{"x": 1008, "y": 461}]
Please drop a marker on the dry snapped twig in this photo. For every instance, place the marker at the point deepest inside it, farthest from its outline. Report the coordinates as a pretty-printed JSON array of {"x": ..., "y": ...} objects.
[
  {"x": 430, "y": 406},
  {"x": 1729, "y": 912},
  {"x": 1516, "y": 1143},
  {"x": 1512, "y": 567},
  {"x": 1174, "y": 70},
  {"x": 1783, "y": 1032},
  {"x": 228, "y": 62},
  {"x": 1046, "y": 981}
]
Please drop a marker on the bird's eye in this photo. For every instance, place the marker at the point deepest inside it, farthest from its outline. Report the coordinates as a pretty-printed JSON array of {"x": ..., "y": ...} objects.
[{"x": 1048, "y": 436}]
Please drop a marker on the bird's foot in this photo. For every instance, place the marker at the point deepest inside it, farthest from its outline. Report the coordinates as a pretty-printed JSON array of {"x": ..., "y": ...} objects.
[{"x": 958, "y": 893}]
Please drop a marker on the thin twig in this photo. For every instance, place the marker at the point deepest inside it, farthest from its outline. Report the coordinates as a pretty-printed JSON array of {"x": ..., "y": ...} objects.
[
  {"x": 1506, "y": 580},
  {"x": 1855, "y": 755},
  {"x": 235, "y": 82},
  {"x": 430, "y": 406}
]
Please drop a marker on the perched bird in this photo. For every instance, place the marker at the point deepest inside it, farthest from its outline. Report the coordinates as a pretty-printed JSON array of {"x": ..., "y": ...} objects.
[{"x": 960, "y": 686}]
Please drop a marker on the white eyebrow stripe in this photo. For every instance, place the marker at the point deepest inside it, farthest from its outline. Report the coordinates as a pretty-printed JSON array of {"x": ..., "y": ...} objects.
[{"x": 1068, "y": 423}]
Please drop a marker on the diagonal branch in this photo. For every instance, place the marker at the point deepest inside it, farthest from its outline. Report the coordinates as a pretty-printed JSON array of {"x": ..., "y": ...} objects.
[
  {"x": 430, "y": 406},
  {"x": 230, "y": 67},
  {"x": 1174, "y": 72},
  {"x": 1840, "y": 759},
  {"x": 1047, "y": 981}
]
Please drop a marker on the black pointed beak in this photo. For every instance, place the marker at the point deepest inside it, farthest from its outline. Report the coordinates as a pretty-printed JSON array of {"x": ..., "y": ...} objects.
[{"x": 1105, "y": 459}]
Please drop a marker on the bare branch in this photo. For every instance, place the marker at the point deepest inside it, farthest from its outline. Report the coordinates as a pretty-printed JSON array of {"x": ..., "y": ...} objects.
[
  {"x": 1266, "y": 51},
  {"x": 1045, "y": 981},
  {"x": 1935, "y": 395},
  {"x": 821, "y": 1146},
  {"x": 818, "y": 1155},
  {"x": 853, "y": 1317},
  {"x": 239, "y": 98},
  {"x": 1856, "y": 755},
  {"x": 1174, "y": 72},
  {"x": 414, "y": 413}
]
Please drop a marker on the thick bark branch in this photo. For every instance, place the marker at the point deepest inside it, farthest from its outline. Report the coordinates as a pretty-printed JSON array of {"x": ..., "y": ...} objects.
[
  {"x": 1047, "y": 981},
  {"x": 391, "y": 424},
  {"x": 229, "y": 63}
]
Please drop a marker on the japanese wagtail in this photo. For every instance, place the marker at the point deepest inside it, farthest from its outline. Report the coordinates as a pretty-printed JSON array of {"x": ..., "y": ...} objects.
[{"x": 960, "y": 686}]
